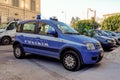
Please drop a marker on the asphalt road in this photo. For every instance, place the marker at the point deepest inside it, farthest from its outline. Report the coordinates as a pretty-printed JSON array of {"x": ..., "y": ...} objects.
[{"x": 35, "y": 67}]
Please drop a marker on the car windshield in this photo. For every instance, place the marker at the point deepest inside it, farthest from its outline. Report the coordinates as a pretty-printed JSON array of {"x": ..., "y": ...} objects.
[
  {"x": 65, "y": 29},
  {"x": 96, "y": 35},
  {"x": 3, "y": 26},
  {"x": 113, "y": 33},
  {"x": 103, "y": 32}
]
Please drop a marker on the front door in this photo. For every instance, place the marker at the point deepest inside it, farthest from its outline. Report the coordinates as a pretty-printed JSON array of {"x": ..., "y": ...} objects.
[
  {"x": 49, "y": 45},
  {"x": 11, "y": 29}
]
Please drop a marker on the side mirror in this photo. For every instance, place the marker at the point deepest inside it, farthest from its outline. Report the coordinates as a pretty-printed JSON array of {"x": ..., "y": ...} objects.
[{"x": 52, "y": 33}]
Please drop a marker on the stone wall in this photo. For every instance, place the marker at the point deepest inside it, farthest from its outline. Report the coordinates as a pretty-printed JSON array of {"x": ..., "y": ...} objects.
[{"x": 8, "y": 12}]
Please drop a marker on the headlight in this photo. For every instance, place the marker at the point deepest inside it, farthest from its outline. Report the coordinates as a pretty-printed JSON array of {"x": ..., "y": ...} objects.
[
  {"x": 90, "y": 46},
  {"x": 109, "y": 41}
]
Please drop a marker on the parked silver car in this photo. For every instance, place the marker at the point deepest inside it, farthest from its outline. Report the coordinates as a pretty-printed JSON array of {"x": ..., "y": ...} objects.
[{"x": 7, "y": 32}]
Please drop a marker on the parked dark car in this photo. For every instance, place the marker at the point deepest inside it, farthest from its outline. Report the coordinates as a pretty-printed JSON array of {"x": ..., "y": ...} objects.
[
  {"x": 106, "y": 42},
  {"x": 115, "y": 35},
  {"x": 117, "y": 32},
  {"x": 103, "y": 33}
]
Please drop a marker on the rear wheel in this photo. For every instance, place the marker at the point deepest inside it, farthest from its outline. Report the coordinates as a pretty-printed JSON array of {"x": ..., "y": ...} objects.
[
  {"x": 71, "y": 61},
  {"x": 18, "y": 52},
  {"x": 6, "y": 40}
]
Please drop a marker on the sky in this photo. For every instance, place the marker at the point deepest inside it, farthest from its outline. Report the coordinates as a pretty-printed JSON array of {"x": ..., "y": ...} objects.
[{"x": 64, "y": 10}]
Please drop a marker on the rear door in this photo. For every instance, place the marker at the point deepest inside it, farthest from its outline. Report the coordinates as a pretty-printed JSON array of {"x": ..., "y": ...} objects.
[{"x": 27, "y": 36}]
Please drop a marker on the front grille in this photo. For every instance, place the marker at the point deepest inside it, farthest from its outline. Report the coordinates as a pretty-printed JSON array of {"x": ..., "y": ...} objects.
[
  {"x": 119, "y": 39},
  {"x": 94, "y": 58}
]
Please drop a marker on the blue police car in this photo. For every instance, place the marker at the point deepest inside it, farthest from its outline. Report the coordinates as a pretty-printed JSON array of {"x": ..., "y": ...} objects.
[{"x": 56, "y": 39}]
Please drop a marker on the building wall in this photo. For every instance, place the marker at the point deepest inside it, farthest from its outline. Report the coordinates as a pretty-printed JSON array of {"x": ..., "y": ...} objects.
[
  {"x": 112, "y": 14},
  {"x": 23, "y": 12}
]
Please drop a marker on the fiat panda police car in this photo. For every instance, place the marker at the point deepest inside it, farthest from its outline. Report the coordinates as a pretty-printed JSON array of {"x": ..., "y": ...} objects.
[{"x": 55, "y": 39}]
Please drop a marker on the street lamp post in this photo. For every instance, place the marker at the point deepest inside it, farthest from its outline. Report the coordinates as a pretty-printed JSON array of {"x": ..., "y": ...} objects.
[{"x": 65, "y": 15}]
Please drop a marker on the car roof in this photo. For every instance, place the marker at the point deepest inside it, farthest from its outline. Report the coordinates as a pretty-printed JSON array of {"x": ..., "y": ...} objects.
[{"x": 38, "y": 20}]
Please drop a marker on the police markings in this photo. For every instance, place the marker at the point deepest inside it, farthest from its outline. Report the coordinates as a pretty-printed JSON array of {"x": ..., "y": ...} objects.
[
  {"x": 36, "y": 43},
  {"x": 44, "y": 37}
]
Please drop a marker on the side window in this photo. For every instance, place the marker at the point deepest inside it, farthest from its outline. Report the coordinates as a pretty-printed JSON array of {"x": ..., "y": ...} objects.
[
  {"x": 44, "y": 28},
  {"x": 29, "y": 27}
]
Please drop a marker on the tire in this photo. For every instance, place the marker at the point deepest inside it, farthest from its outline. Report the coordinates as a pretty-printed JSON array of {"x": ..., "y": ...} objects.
[
  {"x": 6, "y": 40},
  {"x": 18, "y": 52},
  {"x": 71, "y": 61}
]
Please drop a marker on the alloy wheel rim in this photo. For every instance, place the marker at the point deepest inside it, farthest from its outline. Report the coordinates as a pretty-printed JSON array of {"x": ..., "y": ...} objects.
[
  {"x": 69, "y": 61},
  {"x": 17, "y": 52},
  {"x": 6, "y": 41}
]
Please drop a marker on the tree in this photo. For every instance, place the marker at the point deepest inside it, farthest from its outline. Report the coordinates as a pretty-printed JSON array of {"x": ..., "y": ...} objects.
[
  {"x": 83, "y": 27},
  {"x": 112, "y": 23},
  {"x": 93, "y": 23},
  {"x": 73, "y": 21},
  {"x": 86, "y": 27},
  {"x": 77, "y": 19}
]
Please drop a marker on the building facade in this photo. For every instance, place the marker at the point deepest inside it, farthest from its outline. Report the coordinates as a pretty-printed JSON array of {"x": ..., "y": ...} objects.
[
  {"x": 18, "y": 9},
  {"x": 112, "y": 14}
]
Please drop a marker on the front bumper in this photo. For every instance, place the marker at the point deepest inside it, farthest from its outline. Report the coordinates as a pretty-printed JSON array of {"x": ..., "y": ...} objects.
[
  {"x": 118, "y": 41},
  {"x": 92, "y": 56},
  {"x": 108, "y": 45}
]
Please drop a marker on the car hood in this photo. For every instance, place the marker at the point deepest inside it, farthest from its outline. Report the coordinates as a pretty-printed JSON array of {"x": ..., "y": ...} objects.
[
  {"x": 102, "y": 38},
  {"x": 105, "y": 37},
  {"x": 117, "y": 37},
  {"x": 80, "y": 39},
  {"x": 1, "y": 30}
]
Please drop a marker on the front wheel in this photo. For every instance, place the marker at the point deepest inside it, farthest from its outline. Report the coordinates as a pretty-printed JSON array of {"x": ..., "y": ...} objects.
[
  {"x": 6, "y": 40},
  {"x": 71, "y": 61},
  {"x": 18, "y": 52}
]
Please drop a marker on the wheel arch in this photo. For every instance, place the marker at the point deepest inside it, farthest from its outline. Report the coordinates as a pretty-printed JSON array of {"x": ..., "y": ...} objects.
[
  {"x": 16, "y": 43},
  {"x": 73, "y": 49},
  {"x": 6, "y": 36}
]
